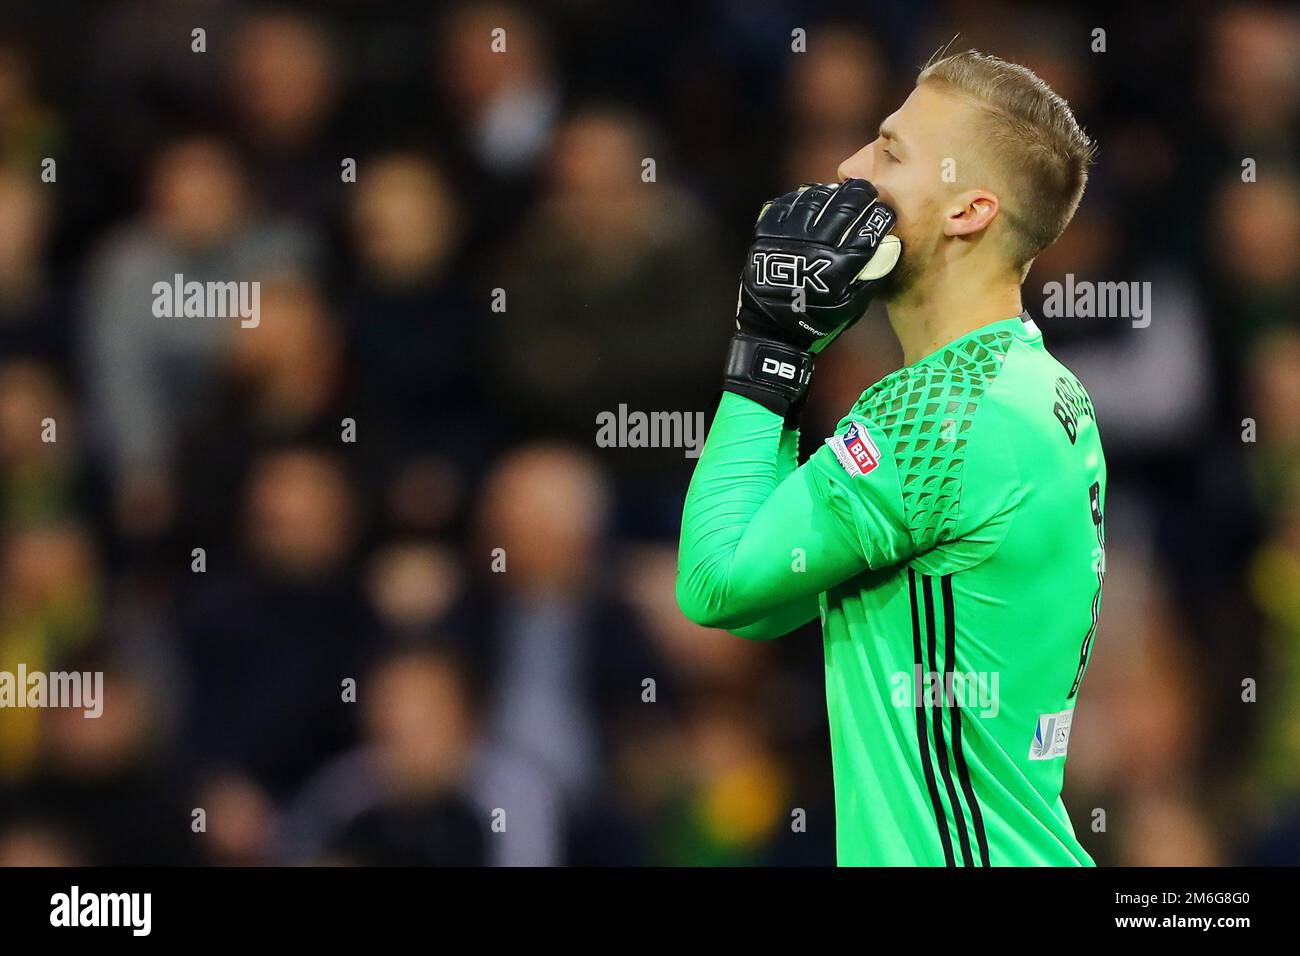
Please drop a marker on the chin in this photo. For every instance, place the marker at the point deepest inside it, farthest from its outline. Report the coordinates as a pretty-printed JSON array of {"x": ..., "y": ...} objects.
[{"x": 899, "y": 282}]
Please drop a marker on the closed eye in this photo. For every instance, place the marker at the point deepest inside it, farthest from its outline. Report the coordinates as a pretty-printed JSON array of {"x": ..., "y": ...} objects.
[{"x": 891, "y": 156}]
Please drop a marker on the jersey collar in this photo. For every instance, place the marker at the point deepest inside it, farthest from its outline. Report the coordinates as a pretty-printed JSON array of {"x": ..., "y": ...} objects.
[{"x": 1022, "y": 326}]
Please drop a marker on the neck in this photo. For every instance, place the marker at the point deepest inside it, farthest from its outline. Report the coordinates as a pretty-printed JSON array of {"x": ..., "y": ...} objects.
[{"x": 930, "y": 315}]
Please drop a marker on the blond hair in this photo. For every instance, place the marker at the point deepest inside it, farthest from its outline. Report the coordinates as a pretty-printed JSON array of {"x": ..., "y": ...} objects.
[{"x": 1035, "y": 137}]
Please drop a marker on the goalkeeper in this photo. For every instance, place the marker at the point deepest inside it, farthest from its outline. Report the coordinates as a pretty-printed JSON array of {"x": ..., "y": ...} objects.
[{"x": 949, "y": 534}]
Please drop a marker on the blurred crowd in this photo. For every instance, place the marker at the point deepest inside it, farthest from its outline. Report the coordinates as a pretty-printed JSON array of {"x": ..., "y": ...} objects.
[{"x": 431, "y": 620}]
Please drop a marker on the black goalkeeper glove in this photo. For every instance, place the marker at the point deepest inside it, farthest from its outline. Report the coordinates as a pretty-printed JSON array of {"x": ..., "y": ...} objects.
[{"x": 817, "y": 257}]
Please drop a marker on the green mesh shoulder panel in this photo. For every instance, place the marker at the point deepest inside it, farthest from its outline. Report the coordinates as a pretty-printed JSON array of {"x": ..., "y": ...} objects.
[{"x": 926, "y": 410}]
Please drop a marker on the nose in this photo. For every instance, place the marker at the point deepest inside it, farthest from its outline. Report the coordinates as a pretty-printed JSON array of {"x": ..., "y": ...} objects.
[
  {"x": 849, "y": 170},
  {"x": 857, "y": 166}
]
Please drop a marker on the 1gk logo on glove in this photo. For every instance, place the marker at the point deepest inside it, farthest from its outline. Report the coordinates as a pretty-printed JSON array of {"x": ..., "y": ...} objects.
[
  {"x": 879, "y": 220},
  {"x": 818, "y": 254},
  {"x": 789, "y": 271}
]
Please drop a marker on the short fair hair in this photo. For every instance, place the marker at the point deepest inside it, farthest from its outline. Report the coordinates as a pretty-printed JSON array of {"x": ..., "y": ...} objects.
[{"x": 1040, "y": 146}]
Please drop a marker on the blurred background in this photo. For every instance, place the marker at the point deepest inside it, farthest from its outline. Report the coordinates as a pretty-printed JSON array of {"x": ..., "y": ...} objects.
[{"x": 521, "y": 697}]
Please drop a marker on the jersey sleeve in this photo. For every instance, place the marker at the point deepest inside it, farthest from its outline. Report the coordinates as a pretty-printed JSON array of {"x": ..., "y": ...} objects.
[
  {"x": 855, "y": 477},
  {"x": 917, "y": 471},
  {"x": 801, "y": 610},
  {"x": 759, "y": 543},
  {"x": 755, "y": 546}
]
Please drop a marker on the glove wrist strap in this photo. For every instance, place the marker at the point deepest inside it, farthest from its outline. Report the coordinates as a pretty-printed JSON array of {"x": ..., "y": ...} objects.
[{"x": 769, "y": 372}]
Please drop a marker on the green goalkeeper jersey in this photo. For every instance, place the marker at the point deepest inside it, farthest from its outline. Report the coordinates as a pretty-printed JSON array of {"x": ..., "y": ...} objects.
[{"x": 950, "y": 537}]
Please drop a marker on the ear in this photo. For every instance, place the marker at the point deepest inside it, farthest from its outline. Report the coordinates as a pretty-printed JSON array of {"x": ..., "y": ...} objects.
[{"x": 970, "y": 212}]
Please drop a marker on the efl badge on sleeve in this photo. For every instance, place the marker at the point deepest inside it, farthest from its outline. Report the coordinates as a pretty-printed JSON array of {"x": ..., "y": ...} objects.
[{"x": 855, "y": 450}]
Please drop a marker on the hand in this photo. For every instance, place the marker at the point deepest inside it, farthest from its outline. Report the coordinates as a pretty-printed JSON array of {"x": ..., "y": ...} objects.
[{"x": 817, "y": 258}]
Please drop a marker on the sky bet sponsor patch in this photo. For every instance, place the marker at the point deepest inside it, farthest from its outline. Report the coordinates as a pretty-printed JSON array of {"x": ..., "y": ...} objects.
[{"x": 855, "y": 450}]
